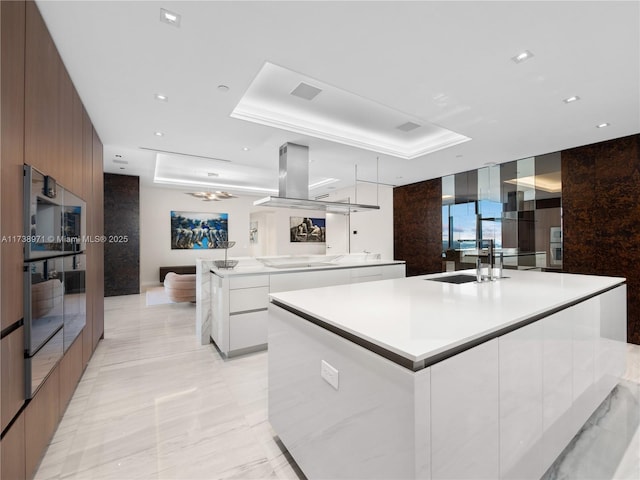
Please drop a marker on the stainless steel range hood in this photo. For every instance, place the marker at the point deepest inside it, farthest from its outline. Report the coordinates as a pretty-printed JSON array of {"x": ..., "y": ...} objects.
[{"x": 293, "y": 188}]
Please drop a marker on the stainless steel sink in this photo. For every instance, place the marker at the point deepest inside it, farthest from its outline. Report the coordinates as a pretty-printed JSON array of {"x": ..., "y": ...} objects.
[{"x": 457, "y": 279}]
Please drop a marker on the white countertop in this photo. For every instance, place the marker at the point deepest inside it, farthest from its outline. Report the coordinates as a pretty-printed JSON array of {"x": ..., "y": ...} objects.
[
  {"x": 419, "y": 319},
  {"x": 257, "y": 268}
]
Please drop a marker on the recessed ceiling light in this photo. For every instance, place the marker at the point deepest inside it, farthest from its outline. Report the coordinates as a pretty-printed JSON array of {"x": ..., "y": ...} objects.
[
  {"x": 575, "y": 98},
  {"x": 159, "y": 134},
  {"x": 170, "y": 17},
  {"x": 522, "y": 56},
  {"x": 602, "y": 125},
  {"x": 161, "y": 98},
  {"x": 223, "y": 88},
  {"x": 246, "y": 149}
]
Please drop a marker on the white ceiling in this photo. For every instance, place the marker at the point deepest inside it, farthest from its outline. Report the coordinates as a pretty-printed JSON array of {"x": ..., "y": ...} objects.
[{"x": 447, "y": 63}]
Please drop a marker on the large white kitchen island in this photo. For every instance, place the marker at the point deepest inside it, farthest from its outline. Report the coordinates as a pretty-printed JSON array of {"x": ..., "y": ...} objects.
[{"x": 415, "y": 378}]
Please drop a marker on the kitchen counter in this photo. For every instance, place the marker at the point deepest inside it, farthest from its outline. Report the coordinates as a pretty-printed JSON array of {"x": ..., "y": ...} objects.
[
  {"x": 252, "y": 266},
  {"x": 431, "y": 318},
  {"x": 231, "y": 309},
  {"x": 414, "y": 378}
]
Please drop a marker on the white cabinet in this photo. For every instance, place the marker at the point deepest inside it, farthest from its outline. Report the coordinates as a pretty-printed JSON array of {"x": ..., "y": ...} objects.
[
  {"x": 245, "y": 299},
  {"x": 368, "y": 274},
  {"x": 284, "y": 282},
  {"x": 520, "y": 379},
  {"x": 585, "y": 318},
  {"x": 557, "y": 386},
  {"x": 398, "y": 270},
  {"x": 611, "y": 347},
  {"x": 464, "y": 415},
  {"x": 239, "y": 302},
  {"x": 248, "y": 330}
]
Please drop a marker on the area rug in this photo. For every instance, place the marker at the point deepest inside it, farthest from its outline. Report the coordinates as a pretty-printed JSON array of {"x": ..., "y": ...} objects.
[{"x": 156, "y": 296}]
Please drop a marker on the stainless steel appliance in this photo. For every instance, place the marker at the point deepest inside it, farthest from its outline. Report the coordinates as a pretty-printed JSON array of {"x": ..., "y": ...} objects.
[{"x": 54, "y": 273}]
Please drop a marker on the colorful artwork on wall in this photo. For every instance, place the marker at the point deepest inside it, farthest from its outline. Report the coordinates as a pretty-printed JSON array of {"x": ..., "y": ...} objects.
[
  {"x": 196, "y": 231},
  {"x": 307, "y": 229}
]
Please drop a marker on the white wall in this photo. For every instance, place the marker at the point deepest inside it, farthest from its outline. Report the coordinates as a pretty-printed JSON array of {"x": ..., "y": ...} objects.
[
  {"x": 155, "y": 229},
  {"x": 375, "y": 228}
]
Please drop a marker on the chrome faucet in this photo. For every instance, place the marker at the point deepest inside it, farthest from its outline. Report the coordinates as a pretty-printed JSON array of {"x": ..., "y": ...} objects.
[{"x": 490, "y": 261}]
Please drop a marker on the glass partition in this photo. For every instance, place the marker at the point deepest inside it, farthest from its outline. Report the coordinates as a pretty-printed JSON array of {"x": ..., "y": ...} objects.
[{"x": 515, "y": 204}]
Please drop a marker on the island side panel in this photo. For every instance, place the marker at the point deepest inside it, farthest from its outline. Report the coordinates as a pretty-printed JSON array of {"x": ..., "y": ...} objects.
[
  {"x": 465, "y": 415},
  {"x": 374, "y": 425}
]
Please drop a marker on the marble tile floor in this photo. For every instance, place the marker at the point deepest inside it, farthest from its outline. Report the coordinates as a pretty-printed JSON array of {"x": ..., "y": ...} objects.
[{"x": 154, "y": 403}]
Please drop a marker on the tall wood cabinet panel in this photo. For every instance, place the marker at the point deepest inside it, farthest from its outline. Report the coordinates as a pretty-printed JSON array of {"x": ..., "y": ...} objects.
[
  {"x": 41, "y": 419},
  {"x": 42, "y": 90},
  {"x": 98, "y": 215},
  {"x": 65, "y": 125},
  {"x": 71, "y": 367},
  {"x": 77, "y": 180},
  {"x": 12, "y": 391},
  {"x": 13, "y": 451},
  {"x": 12, "y": 45},
  {"x": 87, "y": 157}
]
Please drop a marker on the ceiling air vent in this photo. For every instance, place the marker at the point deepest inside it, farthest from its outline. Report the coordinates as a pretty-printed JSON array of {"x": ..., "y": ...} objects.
[
  {"x": 320, "y": 197},
  {"x": 305, "y": 91},
  {"x": 407, "y": 127}
]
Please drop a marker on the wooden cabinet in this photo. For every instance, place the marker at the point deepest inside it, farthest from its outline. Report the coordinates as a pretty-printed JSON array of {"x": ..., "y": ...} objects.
[
  {"x": 12, "y": 390},
  {"x": 12, "y": 44},
  {"x": 71, "y": 367},
  {"x": 13, "y": 451},
  {"x": 42, "y": 78},
  {"x": 77, "y": 179},
  {"x": 41, "y": 419},
  {"x": 97, "y": 212}
]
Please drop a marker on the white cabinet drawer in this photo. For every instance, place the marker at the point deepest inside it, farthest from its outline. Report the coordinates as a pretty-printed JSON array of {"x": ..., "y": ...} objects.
[
  {"x": 248, "y": 299},
  {"x": 249, "y": 281},
  {"x": 248, "y": 330},
  {"x": 312, "y": 279},
  {"x": 366, "y": 272},
  {"x": 394, "y": 271}
]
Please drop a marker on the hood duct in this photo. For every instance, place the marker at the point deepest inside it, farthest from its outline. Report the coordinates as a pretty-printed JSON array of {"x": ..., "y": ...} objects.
[{"x": 293, "y": 185}]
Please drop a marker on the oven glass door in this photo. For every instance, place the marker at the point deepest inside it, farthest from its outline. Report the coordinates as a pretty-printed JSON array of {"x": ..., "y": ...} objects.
[
  {"x": 42, "y": 218},
  {"x": 73, "y": 222},
  {"x": 44, "y": 301}
]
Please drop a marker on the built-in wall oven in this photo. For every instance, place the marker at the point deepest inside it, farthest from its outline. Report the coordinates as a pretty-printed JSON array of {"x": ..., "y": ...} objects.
[{"x": 54, "y": 274}]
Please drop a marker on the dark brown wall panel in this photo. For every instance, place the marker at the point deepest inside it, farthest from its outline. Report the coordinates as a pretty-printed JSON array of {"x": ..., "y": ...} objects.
[
  {"x": 417, "y": 226},
  {"x": 12, "y": 55},
  {"x": 121, "y": 219},
  {"x": 601, "y": 215}
]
